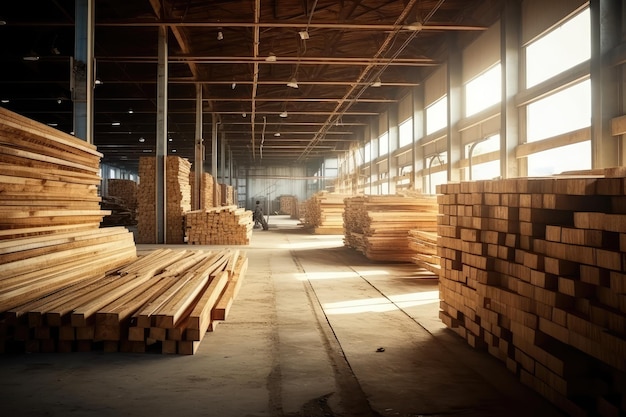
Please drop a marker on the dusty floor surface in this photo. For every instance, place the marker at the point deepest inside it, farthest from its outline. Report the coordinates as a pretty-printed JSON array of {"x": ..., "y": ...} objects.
[{"x": 317, "y": 330}]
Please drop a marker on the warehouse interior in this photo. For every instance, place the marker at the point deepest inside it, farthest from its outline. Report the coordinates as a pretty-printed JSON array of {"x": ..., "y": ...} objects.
[{"x": 491, "y": 130}]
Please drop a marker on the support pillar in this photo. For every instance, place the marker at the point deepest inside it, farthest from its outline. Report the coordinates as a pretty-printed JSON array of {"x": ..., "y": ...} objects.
[
  {"x": 455, "y": 66},
  {"x": 83, "y": 70},
  {"x": 161, "y": 137},
  {"x": 198, "y": 161},
  {"x": 510, "y": 28},
  {"x": 605, "y": 35}
]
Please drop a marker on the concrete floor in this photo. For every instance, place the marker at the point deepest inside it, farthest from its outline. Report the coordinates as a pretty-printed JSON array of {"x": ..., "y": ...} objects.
[{"x": 301, "y": 340}]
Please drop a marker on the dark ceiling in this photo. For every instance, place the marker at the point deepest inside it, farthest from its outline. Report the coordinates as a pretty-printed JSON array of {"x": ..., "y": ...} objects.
[{"x": 350, "y": 46}]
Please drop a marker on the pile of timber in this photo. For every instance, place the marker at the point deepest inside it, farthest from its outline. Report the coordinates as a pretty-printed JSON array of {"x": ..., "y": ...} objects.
[
  {"x": 532, "y": 270},
  {"x": 300, "y": 212},
  {"x": 50, "y": 214},
  {"x": 324, "y": 213},
  {"x": 227, "y": 195},
  {"x": 287, "y": 204},
  {"x": 424, "y": 247},
  {"x": 378, "y": 226},
  {"x": 206, "y": 190},
  {"x": 228, "y": 225},
  {"x": 178, "y": 202},
  {"x": 165, "y": 301},
  {"x": 126, "y": 190}
]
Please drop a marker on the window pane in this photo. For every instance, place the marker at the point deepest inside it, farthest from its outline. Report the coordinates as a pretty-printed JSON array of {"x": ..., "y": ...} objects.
[
  {"x": 367, "y": 155},
  {"x": 483, "y": 91},
  {"x": 486, "y": 171},
  {"x": 437, "y": 116},
  {"x": 490, "y": 144},
  {"x": 564, "y": 47},
  {"x": 435, "y": 179},
  {"x": 559, "y": 113},
  {"x": 383, "y": 144},
  {"x": 406, "y": 132},
  {"x": 565, "y": 158}
]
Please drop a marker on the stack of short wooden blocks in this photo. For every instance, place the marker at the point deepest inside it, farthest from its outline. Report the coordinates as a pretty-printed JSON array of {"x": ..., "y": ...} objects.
[
  {"x": 178, "y": 192},
  {"x": 287, "y": 204},
  {"x": 378, "y": 226},
  {"x": 126, "y": 190},
  {"x": 228, "y": 225},
  {"x": 324, "y": 213},
  {"x": 532, "y": 270},
  {"x": 206, "y": 190}
]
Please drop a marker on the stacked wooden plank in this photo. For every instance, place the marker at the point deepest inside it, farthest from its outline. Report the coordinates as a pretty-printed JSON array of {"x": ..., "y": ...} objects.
[
  {"x": 163, "y": 301},
  {"x": 126, "y": 190},
  {"x": 287, "y": 204},
  {"x": 378, "y": 226},
  {"x": 532, "y": 269},
  {"x": 178, "y": 202},
  {"x": 228, "y": 225},
  {"x": 50, "y": 214},
  {"x": 324, "y": 213},
  {"x": 227, "y": 195},
  {"x": 206, "y": 190},
  {"x": 424, "y": 247}
]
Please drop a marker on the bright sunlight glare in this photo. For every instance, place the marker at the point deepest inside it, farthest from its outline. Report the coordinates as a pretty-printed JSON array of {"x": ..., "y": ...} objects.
[
  {"x": 380, "y": 304},
  {"x": 337, "y": 275}
]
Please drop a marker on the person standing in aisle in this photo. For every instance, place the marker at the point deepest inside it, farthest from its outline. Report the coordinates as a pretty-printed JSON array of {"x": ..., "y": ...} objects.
[{"x": 258, "y": 216}]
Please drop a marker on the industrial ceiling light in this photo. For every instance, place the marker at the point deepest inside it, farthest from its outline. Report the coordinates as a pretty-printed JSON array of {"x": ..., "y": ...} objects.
[
  {"x": 116, "y": 124},
  {"x": 3, "y": 22},
  {"x": 98, "y": 81},
  {"x": 220, "y": 35},
  {"x": 293, "y": 83},
  {"x": 377, "y": 83},
  {"x": 277, "y": 134},
  {"x": 271, "y": 57},
  {"x": 130, "y": 111},
  {"x": 31, "y": 57},
  {"x": 304, "y": 35},
  {"x": 415, "y": 26},
  {"x": 243, "y": 114},
  {"x": 233, "y": 85},
  {"x": 142, "y": 139},
  {"x": 4, "y": 100},
  {"x": 283, "y": 114}
]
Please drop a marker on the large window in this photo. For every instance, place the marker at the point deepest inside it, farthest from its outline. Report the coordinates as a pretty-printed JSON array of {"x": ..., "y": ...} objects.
[
  {"x": 560, "y": 49},
  {"x": 483, "y": 91},
  {"x": 435, "y": 173},
  {"x": 437, "y": 116},
  {"x": 367, "y": 152},
  {"x": 562, "y": 112},
  {"x": 565, "y": 158},
  {"x": 483, "y": 170},
  {"x": 383, "y": 144},
  {"x": 406, "y": 132}
]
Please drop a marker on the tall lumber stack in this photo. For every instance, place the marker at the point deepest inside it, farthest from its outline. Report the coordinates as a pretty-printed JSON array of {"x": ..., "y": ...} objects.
[
  {"x": 227, "y": 193},
  {"x": 424, "y": 247},
  {"x": 378, "y": 226},
  {"x": 532, "y": 270},
  {"x": 206, "y": 190},
  {"x": 50, "y": 213},
  {"x": 287, "y": 204},
  {"x": 165, "y": 301},
  {"x": 178, "y": 192},
  {"x": 126, "y": 190},
  {"x": 219, "y": 226},
  {"x": 324, "y": 213}
]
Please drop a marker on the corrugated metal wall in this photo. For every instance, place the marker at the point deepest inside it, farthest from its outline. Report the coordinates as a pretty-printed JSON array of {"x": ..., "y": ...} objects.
[{"x": 269, "y": 183}]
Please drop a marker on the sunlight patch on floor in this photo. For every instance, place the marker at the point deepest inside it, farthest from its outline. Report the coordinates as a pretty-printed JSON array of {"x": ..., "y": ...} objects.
[
  {"x": 337, "y": 275},
  {"x": 382, "y": 304}
]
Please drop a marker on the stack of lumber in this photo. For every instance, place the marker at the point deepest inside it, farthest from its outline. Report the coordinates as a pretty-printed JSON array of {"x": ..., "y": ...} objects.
[
  {"x": 164, "y": 301},
  {"x": 287, "y": 204},
  {"x": 324, "y": 213},
  {"x": 378, "y": 226},
  {"x": 424, "y": 247},
  {"x": 532, "y": 270},
  {"x": 227, "y": 195},
  {"x": 50, "y": 214},
  {"x": 228, "y": 225},
  {"x": 300, "y": 211},
  {"x": 126, "y": 190},
  {"x": 206, "y": 190},
  {"x": 178, "y": 192}
]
